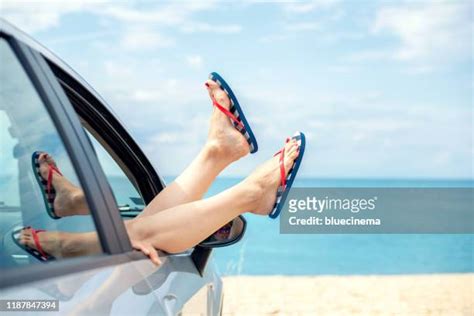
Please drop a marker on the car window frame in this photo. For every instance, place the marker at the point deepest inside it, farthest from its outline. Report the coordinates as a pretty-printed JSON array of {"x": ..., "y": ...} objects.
[{"x": 109, "y": 225}]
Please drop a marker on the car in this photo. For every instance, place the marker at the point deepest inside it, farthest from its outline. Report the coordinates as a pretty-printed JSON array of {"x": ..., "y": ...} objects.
[{"x": 46, "y": 106}]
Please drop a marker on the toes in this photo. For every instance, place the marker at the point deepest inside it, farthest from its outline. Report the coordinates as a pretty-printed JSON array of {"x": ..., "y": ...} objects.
[
  {"x": 25, "y": 238},
  {"x": 291, "y": 152},
  {"x": 289, "y": 146},
  {"x": 216, "y": 93},
  {"x": 210, "y": 87},
  {"x": 221, "y": 97},
  {"x": 46, "y": 158},
  {"x": 211, "y": 84},
  {"x": 42, "y": 157},
  {"x": 294, "y": 153},
  {"x": 26, "y": 232},
  {"x": 293, "y": 148}
]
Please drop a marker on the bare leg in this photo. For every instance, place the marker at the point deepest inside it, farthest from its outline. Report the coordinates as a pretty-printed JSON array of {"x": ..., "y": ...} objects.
[
  {"x": 181, "y": 227},
  {"x": 224, "y": 145}
]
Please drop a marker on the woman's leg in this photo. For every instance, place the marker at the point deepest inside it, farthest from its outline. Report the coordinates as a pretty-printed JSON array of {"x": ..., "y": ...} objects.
[{"x": 181, "y": 227}]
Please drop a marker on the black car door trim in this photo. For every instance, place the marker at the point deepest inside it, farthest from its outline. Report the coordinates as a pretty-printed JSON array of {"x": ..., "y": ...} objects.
[{"x": 99, "y": 196}]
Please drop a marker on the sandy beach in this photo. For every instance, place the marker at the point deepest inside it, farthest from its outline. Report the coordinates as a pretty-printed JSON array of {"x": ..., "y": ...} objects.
[{"x": 439, "y": 294}]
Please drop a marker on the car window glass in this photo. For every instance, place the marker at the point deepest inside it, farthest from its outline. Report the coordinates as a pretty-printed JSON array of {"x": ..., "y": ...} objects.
[
  {"x": 129, "y": 200},
  {"x": 40, "y": 220}
]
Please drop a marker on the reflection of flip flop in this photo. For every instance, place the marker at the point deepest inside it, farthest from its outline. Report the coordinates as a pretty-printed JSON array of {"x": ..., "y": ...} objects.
[
  {"x": 287, "y": 182},
  {"x": 47, "y": 189},
  {"x": 235, "y": 112},
  {"x": 37, "y": 253}
]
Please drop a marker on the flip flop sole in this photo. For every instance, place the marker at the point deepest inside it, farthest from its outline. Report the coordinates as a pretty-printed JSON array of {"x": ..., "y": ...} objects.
[
  {"x": 236, "y": 110},
  {"x": 48, "y": 201},
  {"x": 35, "y": 253},
  {"x": 290, "y": 178}
]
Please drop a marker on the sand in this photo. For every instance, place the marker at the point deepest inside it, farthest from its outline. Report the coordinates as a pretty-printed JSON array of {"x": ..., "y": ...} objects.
[{"x": 438, "y": 294}]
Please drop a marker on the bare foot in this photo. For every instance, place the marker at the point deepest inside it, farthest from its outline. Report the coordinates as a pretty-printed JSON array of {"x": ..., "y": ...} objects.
[
  {"x": 223, "y": 137},
  {"x": 62, "y": 244},
  {"x": 266, "y": 179},
  {"x": 69, "y": 199}
]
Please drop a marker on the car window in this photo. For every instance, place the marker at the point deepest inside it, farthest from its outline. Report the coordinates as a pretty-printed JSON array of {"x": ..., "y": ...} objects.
[
  {"x": 44, "y": 216},
  {"x": 129, "y": 200}
]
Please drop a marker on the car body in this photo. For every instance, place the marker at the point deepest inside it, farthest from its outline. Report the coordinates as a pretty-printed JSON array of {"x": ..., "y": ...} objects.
[{"x": 118, "y": 281}]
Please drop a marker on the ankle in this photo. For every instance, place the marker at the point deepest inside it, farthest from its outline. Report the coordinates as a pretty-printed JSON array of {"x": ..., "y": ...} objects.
[
  {"x": 218, "y": 156},
  {"x": 251, "y": 193}
]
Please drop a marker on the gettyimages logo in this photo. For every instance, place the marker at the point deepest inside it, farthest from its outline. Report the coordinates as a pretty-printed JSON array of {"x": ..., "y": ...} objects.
[
  {"x": 378, "y": 211},
  {"x": 331, "y": 204}
]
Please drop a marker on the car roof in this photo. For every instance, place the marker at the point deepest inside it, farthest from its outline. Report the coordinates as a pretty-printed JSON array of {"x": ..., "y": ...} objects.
[{"x": 9, "y": 29}]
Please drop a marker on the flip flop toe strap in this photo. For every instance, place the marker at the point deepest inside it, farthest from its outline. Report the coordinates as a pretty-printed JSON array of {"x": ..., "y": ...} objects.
[
  {"x": 49, "y": 182},
  {"x": 282, "y": 186},
  {"x": 229, "y": 114},
  {"x": 282, "y": 168},
  {"x": 34, "y": 233}
]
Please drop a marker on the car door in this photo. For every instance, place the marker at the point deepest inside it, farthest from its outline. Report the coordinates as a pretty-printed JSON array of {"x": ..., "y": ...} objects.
[{"x": 38, "y": 112}]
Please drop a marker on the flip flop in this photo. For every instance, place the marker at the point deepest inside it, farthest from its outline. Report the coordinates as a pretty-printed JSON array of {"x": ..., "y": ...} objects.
[
  {"x": 38, "y": 253},
  {"x": 287, "y": 182},
  {"x": 47, "y": 189},
  {"x": 235, "y": 112}
]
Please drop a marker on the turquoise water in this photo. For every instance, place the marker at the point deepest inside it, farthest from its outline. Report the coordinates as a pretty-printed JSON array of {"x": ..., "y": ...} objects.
[{"x": 264, "y": 251}]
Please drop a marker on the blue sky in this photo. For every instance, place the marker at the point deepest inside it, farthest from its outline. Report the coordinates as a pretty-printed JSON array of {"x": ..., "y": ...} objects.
[{"x": 381, "y": 88}]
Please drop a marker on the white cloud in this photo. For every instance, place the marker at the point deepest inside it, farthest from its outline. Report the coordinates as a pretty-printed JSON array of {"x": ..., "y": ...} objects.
[
  {"x": 434, "y": 31},
  {"x": 34, "y": 16},
  {"x": 303, "y": 26},
  {"x": 173, "y": 13},
  {"x": 143, "y": 38},
  {"x": 368, "y": 55},
  {"x": 195, "y": 61},
  {"x": 268, "y": 39},
  {"x": 195, "y": 27},
  {"x": 301, "y": 7}
]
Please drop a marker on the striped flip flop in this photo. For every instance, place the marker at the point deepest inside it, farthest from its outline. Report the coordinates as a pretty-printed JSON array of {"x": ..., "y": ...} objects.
[
  {"x": 235, "y": 112},
  {"x": 46, "y": 185},
  {"x": 287, "y": 182},
  {"x": 38, "y": 253}
]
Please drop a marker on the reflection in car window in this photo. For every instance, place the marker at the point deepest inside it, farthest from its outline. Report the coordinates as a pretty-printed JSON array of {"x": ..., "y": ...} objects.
[
  {"x": 43, "y": 212},
  {"x": 128, "y": 199}
]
